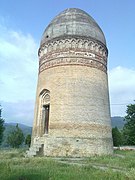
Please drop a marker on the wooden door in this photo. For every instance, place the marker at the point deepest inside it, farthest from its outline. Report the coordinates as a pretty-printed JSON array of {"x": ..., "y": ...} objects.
[{"x": 46, "y": 118}]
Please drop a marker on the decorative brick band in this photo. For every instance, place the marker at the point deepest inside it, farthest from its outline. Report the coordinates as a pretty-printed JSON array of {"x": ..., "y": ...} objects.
[
  {"x": 73, "y": 52},
  {"x": 72, "y": 61}
]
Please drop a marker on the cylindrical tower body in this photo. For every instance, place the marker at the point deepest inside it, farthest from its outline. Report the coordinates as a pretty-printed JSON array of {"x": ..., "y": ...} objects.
[{"x": 72, "y": 111}]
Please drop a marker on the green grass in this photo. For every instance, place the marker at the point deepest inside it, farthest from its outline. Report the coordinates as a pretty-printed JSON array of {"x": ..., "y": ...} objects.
[{"x": 14, "y": 166}]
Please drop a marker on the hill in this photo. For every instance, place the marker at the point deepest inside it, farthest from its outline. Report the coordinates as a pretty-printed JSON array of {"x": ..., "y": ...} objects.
[
  {"x": 26, "y": 129},
  {"x": 10, "y": 127},
  {"x": 117, "y": 121}
]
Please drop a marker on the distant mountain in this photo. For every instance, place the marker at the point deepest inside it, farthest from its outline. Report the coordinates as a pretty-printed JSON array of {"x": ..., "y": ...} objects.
[
  {"x": 9, "y": 127},
  {"x": 117, "y": 121},
  {"x": 26, "y": 129}
]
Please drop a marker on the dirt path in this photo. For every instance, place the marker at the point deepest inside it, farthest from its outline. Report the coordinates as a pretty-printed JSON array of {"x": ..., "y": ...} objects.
[{"x": 83, "y": 162}]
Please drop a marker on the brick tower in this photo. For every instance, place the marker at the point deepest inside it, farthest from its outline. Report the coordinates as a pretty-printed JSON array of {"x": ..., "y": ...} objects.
[{"x": 72, "y": 111}]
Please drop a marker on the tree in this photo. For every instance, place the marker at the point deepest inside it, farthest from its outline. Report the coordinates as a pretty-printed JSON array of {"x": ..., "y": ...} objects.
[
  {"x": 15, "y": 138},
  {"x": 117, "y": 137},
  {"x": 28, "y": 140},
  {"x": 129, "y": 127},
  {"x": 2, "y": 128}
]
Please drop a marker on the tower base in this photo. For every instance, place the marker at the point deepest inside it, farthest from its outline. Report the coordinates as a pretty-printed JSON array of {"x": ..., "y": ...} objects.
[{"x": 71, "y": 147}]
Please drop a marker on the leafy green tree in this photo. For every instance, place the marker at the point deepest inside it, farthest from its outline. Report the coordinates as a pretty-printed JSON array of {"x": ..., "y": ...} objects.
[
  {"x": 129, "y": 127},
  {"x": 28, "y": 140},
  {"x": 117, "y": 137},
  {"x": 15, "y": 138},
  {"x": 2, "y": 128}
]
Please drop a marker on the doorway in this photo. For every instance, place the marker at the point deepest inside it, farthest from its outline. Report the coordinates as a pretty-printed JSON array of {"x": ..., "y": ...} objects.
[{"x": 46, "y": 117}]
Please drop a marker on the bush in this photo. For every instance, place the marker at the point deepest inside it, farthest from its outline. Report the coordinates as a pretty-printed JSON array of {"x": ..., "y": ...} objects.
[{"x": 15, "y": 138}]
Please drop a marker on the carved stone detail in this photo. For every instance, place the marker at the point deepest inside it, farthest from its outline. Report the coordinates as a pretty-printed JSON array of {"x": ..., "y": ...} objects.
[
  {"x": 44, "y": 99},
  {"x": 73, "y": 51}
]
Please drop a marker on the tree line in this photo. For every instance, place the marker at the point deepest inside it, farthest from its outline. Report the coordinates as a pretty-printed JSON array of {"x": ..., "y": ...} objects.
[
  {"x": 126, "y": 136},
  {"x": 16, "y": 137}
]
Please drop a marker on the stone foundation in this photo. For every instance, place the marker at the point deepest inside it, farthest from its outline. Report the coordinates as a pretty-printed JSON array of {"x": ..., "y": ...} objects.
[{"x": 76, "y": 147}]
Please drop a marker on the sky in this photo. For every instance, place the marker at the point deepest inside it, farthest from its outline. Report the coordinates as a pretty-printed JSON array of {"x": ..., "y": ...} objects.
[{"x": 22, "y": 23}]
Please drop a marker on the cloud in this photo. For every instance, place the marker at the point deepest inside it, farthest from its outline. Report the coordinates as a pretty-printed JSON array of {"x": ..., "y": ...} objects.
[
  {"x": 122, "y": 89},
  {"x": 18, "y": 74},
  {"x": 18, "y": 112},
  {"x": 19, "y": 65}
]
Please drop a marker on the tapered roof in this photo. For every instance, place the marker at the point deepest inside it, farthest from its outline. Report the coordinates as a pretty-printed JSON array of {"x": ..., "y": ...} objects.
[{"x": 73, "y": 22}]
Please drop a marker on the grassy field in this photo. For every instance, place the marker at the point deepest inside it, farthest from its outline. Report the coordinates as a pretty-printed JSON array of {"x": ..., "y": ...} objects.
[{"x": 14, "y": 166}]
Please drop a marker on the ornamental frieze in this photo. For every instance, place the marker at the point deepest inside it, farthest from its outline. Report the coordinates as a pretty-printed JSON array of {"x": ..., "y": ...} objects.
[
  {"x": 68, "y": 44},
  {"x": 73, "y": 52},
  {"x": 73, "y": 61}
]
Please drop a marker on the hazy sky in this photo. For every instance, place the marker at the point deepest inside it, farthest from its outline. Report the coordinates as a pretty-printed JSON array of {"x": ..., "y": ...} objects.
[{"x": 22, "y": 23}]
